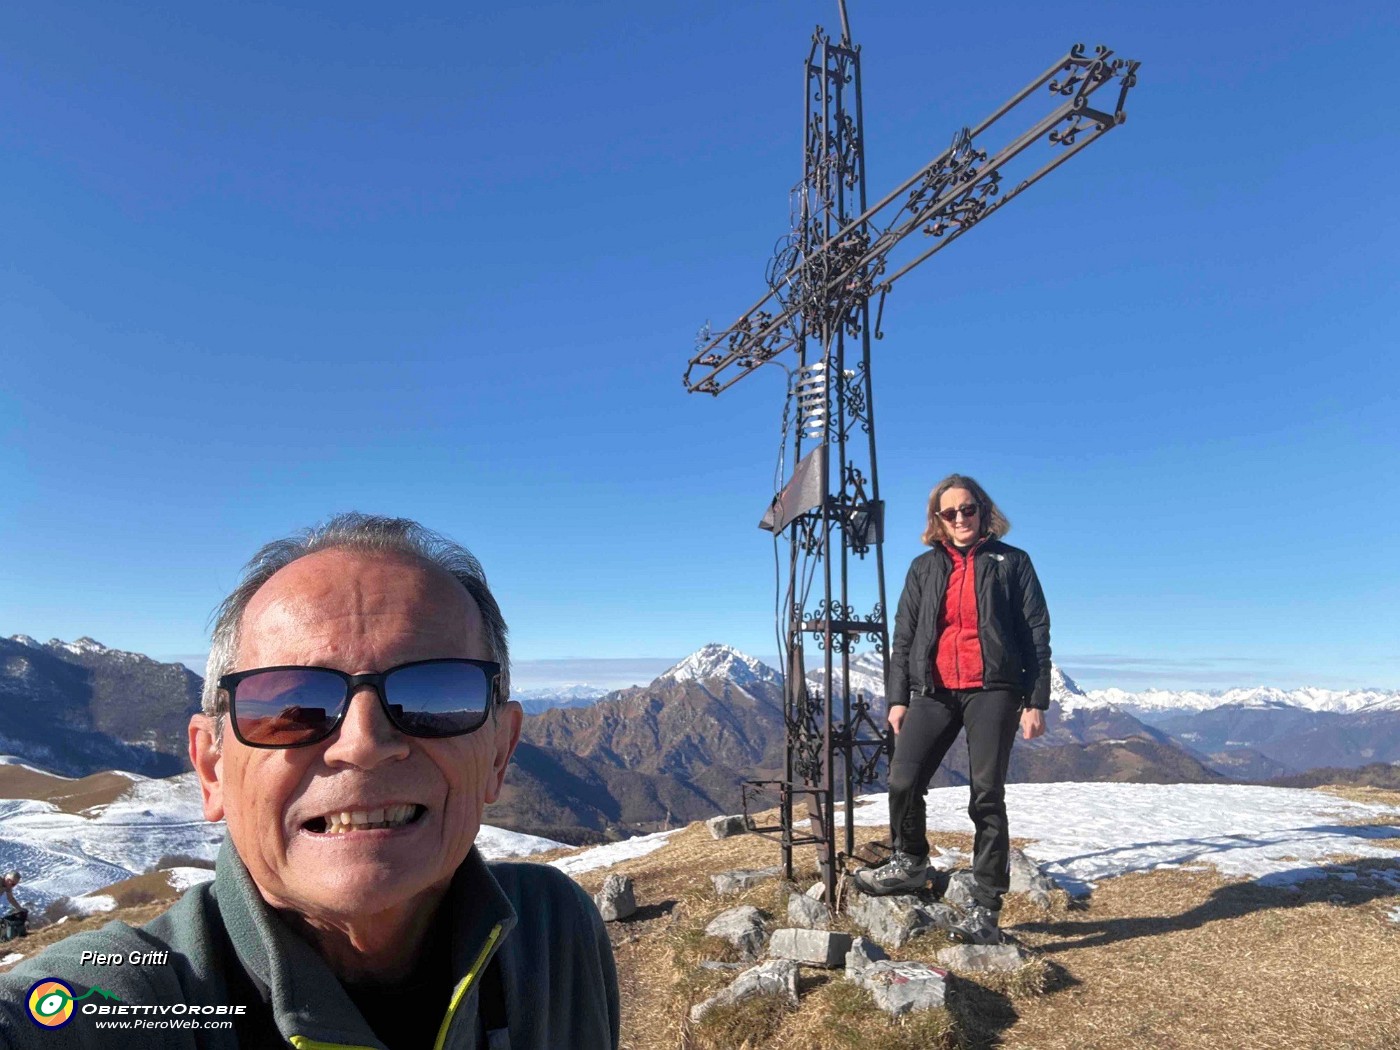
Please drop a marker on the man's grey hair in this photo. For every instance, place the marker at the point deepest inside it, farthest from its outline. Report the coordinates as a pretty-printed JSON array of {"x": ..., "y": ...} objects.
[{"x": 356, "y": 532}]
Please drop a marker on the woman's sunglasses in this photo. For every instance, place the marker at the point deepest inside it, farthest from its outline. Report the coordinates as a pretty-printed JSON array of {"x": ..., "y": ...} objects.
[
  {"x": 278, "y": 707},
  {"x": 967, "y": 510}
]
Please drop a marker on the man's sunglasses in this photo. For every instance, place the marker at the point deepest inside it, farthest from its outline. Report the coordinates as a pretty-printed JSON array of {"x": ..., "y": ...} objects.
[
  {"x": 967, "y": 510},
  {"x": 277, "y": 707}
]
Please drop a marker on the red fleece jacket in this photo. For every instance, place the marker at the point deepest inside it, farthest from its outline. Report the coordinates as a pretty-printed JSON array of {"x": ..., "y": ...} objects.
[{"x": 957, "y": 658}]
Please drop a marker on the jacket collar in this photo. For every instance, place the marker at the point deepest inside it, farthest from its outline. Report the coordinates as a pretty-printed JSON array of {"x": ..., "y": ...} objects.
[
  {"x": 307, "y": 999},
  {"x": 953, "y": 552}
]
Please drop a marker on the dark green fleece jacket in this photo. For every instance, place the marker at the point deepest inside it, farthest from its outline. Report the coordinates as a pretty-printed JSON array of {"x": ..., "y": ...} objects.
[{"x": 226, "y": 948}]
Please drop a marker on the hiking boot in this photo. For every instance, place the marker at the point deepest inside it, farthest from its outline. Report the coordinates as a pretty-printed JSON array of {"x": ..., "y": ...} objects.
[
  {"x": 902, "y": 873},
  {"x": 978, "y": 925}
]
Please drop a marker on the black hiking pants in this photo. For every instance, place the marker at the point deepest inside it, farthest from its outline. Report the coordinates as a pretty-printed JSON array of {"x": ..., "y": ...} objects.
[{"x": 990, "y": 717}]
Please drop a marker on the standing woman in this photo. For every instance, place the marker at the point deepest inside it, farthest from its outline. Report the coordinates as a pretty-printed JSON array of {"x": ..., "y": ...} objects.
[{"x": 971, "y": 651}]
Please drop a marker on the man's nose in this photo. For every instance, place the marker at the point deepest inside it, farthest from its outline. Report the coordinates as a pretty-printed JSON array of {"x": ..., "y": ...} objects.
[{"x": 366, "y": 737}]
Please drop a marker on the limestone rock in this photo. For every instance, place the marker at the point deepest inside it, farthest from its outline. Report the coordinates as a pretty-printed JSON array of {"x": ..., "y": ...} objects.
[
  {"x": 893, "y": 920},
  {"x": 1026, "y": 876},
  {"x": 817, "y": 891},
  {"x": 723, "y": 827},
  {"x": 741, "y": 927},
  {"x": 902, "y": 987},
  {"x": 778, "y": 977},
  {"x": 730, "y": 882},
  {"x": 804, "y": 912},
  {"x": 810, "y": 947},
  {"x": 1008, "y": 955},
  {"x": 616, "y": 900},
  {"x": 959, "y": 890},
  {"x": 863, "y": 952}
]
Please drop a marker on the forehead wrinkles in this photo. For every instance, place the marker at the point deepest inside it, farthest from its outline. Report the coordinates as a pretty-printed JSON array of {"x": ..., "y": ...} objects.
[{"x": 337, "y": 600}]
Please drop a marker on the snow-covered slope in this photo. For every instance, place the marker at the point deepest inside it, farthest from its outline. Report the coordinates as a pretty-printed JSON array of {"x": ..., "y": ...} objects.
[
  {"x": 68, "y": 855},
  {"x": 1083, "y": 833},
  {"x": 71, "y": 855}
]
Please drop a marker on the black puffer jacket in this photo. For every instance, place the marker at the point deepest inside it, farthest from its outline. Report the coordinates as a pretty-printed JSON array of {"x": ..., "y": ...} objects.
[{"x": 1013, "y": 624}]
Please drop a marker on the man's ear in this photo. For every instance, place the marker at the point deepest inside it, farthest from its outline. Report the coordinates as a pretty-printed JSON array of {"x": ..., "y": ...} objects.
[
  {"x": 208, "y": 762},
  {"x": 508, "y": 721}
]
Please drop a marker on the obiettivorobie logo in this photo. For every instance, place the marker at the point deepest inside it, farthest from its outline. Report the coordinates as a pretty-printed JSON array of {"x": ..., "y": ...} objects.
[{"x": 50, "y": 1002}]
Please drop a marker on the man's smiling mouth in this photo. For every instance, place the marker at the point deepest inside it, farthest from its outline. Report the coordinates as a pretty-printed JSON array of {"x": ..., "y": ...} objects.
[{"x": 345, "y": 821}]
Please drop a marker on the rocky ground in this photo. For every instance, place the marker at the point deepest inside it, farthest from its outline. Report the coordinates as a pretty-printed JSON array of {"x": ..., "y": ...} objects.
[{"x": 1169, "y": 959}]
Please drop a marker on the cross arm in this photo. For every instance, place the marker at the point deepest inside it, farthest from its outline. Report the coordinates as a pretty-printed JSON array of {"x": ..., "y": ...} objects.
[{"x": 947, "y": 197}]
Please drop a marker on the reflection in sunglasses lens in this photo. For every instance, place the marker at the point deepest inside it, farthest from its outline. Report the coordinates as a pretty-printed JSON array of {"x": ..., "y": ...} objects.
[{"x": 285, "y": 708}]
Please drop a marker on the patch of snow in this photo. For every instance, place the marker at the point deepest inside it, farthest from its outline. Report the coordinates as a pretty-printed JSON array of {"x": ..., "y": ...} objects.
[
  {"x": 1083, "y": 833},
  {"x": 181, "y": 879},
  {"x": 93, "y": 904},
  {"x": 613, "y": 853},
  {"x": 497, "y": 843},
  {"x": 24, "y": 639},
  {"x": 13, "y": 957}
]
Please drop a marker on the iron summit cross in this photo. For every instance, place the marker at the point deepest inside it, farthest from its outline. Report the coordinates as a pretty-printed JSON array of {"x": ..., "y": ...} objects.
[{"x": 835, "y": 259}]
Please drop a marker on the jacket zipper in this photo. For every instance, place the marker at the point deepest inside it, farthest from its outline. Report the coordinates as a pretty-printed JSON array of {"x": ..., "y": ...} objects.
[
  {"x": 465, "y": 985},
  {"x": 301, "y": 1042}
]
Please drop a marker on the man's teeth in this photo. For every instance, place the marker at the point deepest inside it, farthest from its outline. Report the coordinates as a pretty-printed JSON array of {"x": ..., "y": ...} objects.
[{"x": 369, "y": 819}]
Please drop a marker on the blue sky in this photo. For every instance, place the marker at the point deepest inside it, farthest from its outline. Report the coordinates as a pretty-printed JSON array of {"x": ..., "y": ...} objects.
[{"x": 264, "y": 262}]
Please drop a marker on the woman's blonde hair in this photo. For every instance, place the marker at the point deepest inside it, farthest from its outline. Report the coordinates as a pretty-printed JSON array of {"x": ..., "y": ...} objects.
[{"x": 990, "y": 517}]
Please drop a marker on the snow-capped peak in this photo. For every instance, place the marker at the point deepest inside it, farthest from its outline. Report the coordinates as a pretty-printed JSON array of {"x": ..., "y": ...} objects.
[
  {"x": 1065, "y": 692},
  {"x": 24, "y": 639},
  {"x": 720, "y": 661}
]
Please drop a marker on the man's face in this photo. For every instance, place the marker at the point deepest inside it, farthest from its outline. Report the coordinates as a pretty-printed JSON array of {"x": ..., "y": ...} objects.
[{"x": 357, "y": 613}]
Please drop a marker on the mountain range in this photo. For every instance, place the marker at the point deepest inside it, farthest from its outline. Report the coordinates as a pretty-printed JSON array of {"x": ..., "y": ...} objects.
[
  {"x": 78, "y": 707},
  {"x": 658, "y": 755}
]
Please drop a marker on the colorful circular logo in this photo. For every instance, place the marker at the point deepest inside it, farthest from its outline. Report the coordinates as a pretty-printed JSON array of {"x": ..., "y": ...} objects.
[{"x": 50, "y": 1003}]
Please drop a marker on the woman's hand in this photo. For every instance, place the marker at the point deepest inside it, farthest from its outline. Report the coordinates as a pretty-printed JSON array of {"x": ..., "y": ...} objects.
[
  {"x": 895, "y": 717},
  {"x": 1032, "y": 723}
]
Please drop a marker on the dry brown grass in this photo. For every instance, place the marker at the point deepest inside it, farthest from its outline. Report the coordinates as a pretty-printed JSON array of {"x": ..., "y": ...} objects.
[
  {"x": 1171, "y": 960},
  {"x": 70, "y": 796}
]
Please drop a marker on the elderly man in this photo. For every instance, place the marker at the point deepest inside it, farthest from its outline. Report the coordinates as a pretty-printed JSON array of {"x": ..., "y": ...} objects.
[{"x": 355, "y": 723}]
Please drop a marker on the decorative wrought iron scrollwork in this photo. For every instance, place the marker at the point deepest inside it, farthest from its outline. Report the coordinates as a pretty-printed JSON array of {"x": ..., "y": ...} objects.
[
  {"x": 878, "y": 638},
  {"x": 843, "y": 258},
  {"x": 830, "y": 609},
  {"x": 853, "y": 399},
  {"x": 807, "y": 534},
  {"x": 805, "y": 737},
  {"x": 853, "y": 485}
]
